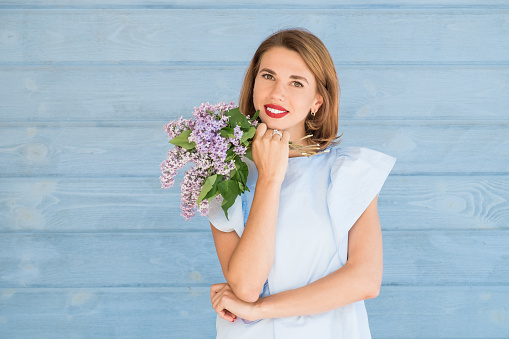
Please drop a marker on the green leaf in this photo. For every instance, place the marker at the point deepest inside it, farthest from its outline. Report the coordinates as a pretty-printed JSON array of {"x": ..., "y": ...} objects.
[
  {"x": 208, "y": 184},
  {"x": 242, "y": 170},
  {"x": 227, "y": 132},
  {"x": 233, "y": 173},
  {"x": 242, "y": 186},
  {"x": 230, "y": 155},
  {"x": 229, "y": 189},
  {"x": 255, "y": 116},
  {"x": 183, "y": 140},
  {"x": 214, "y": 191},
  {"x": 237, "y": 118},
  {"x": 209, "y": 188},
  {"x": 248, "y": 134},
  {"x": 248, "y": 154}
]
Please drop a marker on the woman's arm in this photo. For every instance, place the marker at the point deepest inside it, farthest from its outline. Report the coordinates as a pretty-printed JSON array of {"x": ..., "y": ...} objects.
[
  {"x": 247, "y": 261},
  {"x": 360, "y": 278}
]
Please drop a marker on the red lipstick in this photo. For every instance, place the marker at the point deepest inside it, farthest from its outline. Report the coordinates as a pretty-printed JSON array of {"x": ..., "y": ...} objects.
[{"x": 275, "y": 111}]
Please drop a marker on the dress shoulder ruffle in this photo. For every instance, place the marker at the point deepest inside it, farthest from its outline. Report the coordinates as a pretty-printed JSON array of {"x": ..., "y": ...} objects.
[
  {"x": 235, "y": 221},
  {"x": 357, "y": 176}
]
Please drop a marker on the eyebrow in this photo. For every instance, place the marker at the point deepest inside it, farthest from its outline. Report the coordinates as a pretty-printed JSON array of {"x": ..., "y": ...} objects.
[{"x": 295, "y": 77}]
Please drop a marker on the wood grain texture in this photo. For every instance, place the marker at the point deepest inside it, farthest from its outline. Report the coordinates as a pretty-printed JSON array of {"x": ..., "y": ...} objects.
[
  {"x": 440, "y": 312},
  {"x": 108, "y": 260},
  {"x": 91, "y": 247},
  {"x": 106, "y": 313},
  {"x": 137, "y": 149},
  {"x": 420, "y": 203},
  {"x": 457, "y": 202},
  {"x": 201, "y": 4},
  {"x": 134, "y": 93},
  {"x": 399, "y": 312},
  {"x": 81, "y": 260},
  {"x": 114, "y": 36}
]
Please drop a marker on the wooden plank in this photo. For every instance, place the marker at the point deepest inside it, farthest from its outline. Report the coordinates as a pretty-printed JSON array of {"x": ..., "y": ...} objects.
[
  {"x": 440, "y": 312},
  {"x": 128, "y": 204},
  {"x": 201, "y": 4},
  {"x": 106, "y": 313},
  {"x": 108, "y": 260},
  {"x": 162, "y": 92},
  {"x": 114, "y": 93},
  {"x": 409, "y": 312},
  {"x": 81, "y": 204},
  {"x": 137, "y": 149},
  {"x": 435, "y": 147},
  {"x": 444, "y": 203},
  {"x": 147, "y": 36},
  {"x": 446, "y": 258},
  {"x": 103, "y": 259}
]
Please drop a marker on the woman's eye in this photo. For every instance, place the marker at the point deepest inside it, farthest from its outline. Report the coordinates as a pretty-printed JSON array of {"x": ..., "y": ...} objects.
[
  {"x": 268, "y": 76},
  {"x": 297, "y": 84}
]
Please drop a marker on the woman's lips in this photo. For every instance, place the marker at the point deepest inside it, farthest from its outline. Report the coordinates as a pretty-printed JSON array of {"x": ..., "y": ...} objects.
[{"x": 275, "y": 111}]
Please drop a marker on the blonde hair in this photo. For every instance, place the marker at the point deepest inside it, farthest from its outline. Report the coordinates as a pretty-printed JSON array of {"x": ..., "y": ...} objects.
[{"x": 324, "y": 125}]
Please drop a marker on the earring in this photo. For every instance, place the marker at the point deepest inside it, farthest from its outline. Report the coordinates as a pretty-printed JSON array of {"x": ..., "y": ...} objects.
[{"x": 313, "y": 113}]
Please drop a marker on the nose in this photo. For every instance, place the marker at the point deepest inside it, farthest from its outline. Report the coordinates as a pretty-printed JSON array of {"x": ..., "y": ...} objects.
[{"x": 278, "y": 92}]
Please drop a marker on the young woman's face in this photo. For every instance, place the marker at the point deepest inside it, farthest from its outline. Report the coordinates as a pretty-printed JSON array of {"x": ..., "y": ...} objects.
[{"x": 285, "y": 91}]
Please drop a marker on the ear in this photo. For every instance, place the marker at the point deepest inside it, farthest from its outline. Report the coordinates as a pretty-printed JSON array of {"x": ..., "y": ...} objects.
[{"x": 318, "y": 102}]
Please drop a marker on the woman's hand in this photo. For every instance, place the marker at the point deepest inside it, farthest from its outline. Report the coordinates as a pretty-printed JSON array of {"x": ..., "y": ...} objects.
[
  {"x": 270, "y": 153},
  {"x": 228, "y": 306}
]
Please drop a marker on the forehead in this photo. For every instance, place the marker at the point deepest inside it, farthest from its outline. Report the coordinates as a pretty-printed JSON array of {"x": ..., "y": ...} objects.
[{"x": 285, "y": 62}]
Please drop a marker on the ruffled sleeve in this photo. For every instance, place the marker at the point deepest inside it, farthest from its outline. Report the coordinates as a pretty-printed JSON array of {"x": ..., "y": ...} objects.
[
  {"x": 235, "y": 221},
  {"x": 357, "y": 176}
]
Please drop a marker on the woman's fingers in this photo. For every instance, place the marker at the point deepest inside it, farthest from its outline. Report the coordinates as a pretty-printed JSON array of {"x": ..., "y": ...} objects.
[
  {"x": 286, "y": 137},
  {"x": 215, "y": 291},
  {"x": 260, "y": 130},
  {"x": 230, "y": 314},
  {"x": 270, "y": 153},
  {"x": 223, "y": 312},
  {"x": 215, "y": 288},
  {"x": 218, "y": 296}
]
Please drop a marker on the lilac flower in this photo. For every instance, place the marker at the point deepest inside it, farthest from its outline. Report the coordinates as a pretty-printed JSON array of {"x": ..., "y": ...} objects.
[
  {"x": 177, "y": 159},
  {"x": 206, "y": 131},
  {"x": 190, "y": 190},
  {"x": 237, "y": 132},
  {"x": 204, "y": 207},
  {"x": 240, "y": 150},
  {"x": 174, "y": 128},
  {"x": 206, "y": 148},
  {"x": 235, "y": 141}
]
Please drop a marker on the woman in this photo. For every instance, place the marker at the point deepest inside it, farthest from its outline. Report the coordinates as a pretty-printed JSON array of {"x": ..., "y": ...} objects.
[{"x": 303, "y": 249}]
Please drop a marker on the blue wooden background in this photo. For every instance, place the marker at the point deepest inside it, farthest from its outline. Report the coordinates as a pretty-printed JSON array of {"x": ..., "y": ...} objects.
[{"x": 91, "y": 247}]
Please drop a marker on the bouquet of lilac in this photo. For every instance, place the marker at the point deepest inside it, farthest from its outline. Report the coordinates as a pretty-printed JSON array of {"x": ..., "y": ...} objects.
[{"x": 214, "y": 140}]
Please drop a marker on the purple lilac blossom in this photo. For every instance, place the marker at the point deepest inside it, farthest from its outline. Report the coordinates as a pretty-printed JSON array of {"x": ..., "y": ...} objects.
[
  {"x": 174, "y": 128},
  {"x": 239, "y": 149},
  {"x": 190, "y": 190},
  {"x": 208, "y": 155},
  {"x": 177, "y": 159},
  {"x": 206, "y": 135}
]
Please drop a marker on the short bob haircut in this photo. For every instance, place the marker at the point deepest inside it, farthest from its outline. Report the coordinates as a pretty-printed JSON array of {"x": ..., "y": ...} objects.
[{"x": 324, "y": 125}]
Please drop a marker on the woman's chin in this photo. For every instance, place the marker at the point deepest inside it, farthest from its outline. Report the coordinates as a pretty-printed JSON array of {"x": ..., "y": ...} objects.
[{"x": 271, "y": 124}]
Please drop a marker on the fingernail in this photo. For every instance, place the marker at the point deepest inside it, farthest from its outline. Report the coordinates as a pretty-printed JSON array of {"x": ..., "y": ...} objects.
[{"x": 233, "y": 320}]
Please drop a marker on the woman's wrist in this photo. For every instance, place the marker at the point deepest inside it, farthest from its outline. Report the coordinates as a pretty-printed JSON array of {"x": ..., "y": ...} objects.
[
  {"x": 259, "y": 309},
  {"x": 269, "y": 181}
]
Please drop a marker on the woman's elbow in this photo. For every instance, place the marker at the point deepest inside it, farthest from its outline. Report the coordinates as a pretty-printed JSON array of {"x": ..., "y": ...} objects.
[
  {"x": 373, "y": 283},
  {"x": 372, "y": 292},
  {"x": 246, "y": 293}
]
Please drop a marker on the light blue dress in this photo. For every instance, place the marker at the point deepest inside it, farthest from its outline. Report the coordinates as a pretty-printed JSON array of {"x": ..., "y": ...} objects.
[{"x": 321, "y": 198}]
